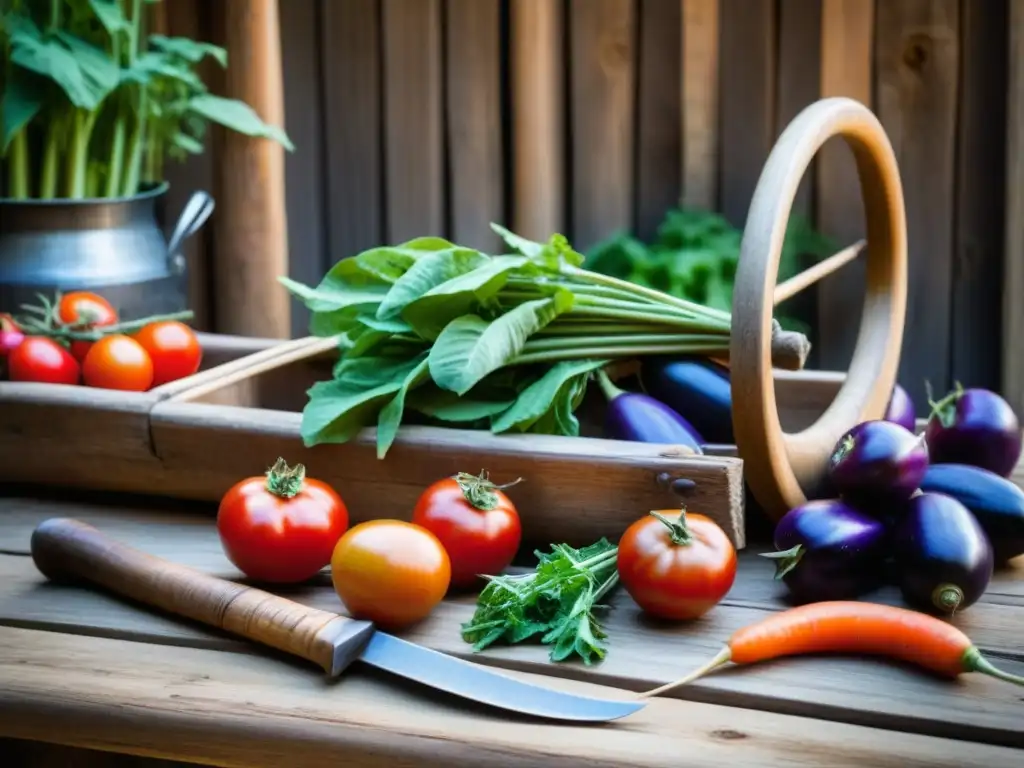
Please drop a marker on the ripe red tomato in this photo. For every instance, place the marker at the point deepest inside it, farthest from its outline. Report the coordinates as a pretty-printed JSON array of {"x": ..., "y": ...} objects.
[
  {"x": 40, "y": 359},
  {"x": 475, "y": 521},
  {"x": 676, "y": 565},
  {"x": 118, "y": 362},
  {"x": 84, "y": 310},
  {"x": 174, "y": 349},
  {"x": 281, "y": 528},
  {"x": 390, "y": 572}
]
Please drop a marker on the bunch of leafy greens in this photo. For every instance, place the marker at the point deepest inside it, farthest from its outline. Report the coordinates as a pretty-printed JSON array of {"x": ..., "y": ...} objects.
[
  {"x": 554, "y": 603},
  {"x": 506, "y": 343},
  {"x": 92, "y": 104},
  {"x": 694, "y": 256}
]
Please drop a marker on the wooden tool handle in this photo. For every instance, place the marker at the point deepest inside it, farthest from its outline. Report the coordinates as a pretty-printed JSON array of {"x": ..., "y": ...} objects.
[{"x": 66, "y": 550}]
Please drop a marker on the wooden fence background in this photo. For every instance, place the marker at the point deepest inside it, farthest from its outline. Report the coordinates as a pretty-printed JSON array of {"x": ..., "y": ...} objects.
[{"x": 415, "y": 117}]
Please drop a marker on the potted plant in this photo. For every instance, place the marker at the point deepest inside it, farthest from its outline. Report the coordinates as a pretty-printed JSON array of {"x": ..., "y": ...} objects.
[{"x": 92, "y": 107}]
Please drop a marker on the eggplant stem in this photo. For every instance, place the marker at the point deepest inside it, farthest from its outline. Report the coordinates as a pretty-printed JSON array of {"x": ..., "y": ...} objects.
[
  {"x": 610, "y": 390},
  {"x": 786, "y": 560},
  {"x": 947, "y": 598},
  {"x": 723, "y": 657}
]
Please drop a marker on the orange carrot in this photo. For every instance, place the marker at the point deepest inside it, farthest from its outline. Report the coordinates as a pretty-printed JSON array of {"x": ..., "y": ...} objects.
[{"x": 846, "y": 626}]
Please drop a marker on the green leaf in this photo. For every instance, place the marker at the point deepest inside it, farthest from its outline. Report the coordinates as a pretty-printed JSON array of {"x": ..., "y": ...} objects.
[
  {"x": 187, "y": 143},
  {"x": 519, "y": 244},
  {"x": 444, "y": 405},
  {"x": 469, "y": 347},
  {"x": 427, "y": 273},
  {"x": 99, "y": 70},
  {"x": 22, "y": 101},
  {"x": 110, "y": 16},
  {"x": 433, "y": 311},
  {"x": 190, "y": 50},
  {"x": 152, "y": 64},
  {"x": 392, "y": 326},
  {"x": 237, "y": 116},
  {"x": 538, "y": 398},
  {"x": 49, "y": 58},
  {"x": 333, "y": 296},
  {"x": 390, "y": 417},
  {"x": 550, "y": 254}
]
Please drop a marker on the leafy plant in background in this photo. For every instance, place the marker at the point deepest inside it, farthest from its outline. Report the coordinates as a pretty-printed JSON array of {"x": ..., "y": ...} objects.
[
  {"x": 694, "y": 257},
  {"x": 92, "y": 104}
]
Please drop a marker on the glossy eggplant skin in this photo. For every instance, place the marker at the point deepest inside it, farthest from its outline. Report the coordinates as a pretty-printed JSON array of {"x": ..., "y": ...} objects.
[
  {"x": 901, "y": 409},
  {"x": 975, "y": 426},
  {"x": 827, "y": 550},
  {"x": 878, "y": 464},
  {"x": 696, "y": 388},
  {"x": 943, "y": 557},
  {"x": 996, "y": 503},
  {"x": 640, "y": 418}
]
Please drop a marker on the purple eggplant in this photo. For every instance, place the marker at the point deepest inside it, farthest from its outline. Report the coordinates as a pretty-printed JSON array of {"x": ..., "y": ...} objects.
[
  {"x": 901, "y": 409},
  {"x": 639, "y": 417},
  {"x": 974, "y": 426},
  {"x": 944, "y": 559},
  {"x": 827, "y": 550},
  {"x": 696, "y": 388},
  {"x": 878, "y": 464},
  {"x": 996, "y": 503}
]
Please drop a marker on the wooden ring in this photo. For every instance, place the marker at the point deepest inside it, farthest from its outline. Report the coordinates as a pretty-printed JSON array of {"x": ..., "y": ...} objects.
[{"x": 785, "y": 470}]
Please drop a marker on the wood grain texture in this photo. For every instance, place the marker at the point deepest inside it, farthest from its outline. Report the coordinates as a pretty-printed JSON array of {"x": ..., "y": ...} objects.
[
  {"x": 603, "y": 66},
  {"x": 304, "y": 168},
  {"x": 353, "y": 126},
  {"x": 700, "y": 77},
  {"x": 918, "y": 56},
  {"x": 847, "y": 56},
  {"x": 413, "y": 169},
  {"x": 1013, "y": 257},
  {"x": 236, "y": 710},
  {"x": 473, "y": 121},
  {"x": 659, "y": 115},
  {"x": 747, "y": 94},
  {"x": 251, "y": 234},
  {"x": 538, "y": 88}
]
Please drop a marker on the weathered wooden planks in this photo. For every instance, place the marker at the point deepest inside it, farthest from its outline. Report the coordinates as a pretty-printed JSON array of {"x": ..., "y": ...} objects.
[
  {"x": 1013, "y": 258},
  {"x": 701, "y": 144}
]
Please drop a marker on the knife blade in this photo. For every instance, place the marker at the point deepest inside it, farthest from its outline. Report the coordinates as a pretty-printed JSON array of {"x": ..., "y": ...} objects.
[{"x": 68, "y": 550}]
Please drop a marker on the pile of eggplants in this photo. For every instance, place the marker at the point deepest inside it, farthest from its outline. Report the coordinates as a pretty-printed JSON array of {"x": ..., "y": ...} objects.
[{"x": 933, "y": 512}]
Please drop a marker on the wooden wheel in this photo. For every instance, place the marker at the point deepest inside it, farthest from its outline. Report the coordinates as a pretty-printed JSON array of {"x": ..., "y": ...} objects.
[{"x": 784, "y": 470}]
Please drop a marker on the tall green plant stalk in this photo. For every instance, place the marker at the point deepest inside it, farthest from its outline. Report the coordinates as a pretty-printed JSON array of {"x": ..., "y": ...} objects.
[
  {"x": 115, "y": 166},
  {"x": 133, "y": 164},
  {"x": 17, "y": 167}
]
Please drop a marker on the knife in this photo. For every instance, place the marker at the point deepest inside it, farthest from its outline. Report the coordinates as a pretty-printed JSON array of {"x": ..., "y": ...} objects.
[{"x": 64, "y": 550}]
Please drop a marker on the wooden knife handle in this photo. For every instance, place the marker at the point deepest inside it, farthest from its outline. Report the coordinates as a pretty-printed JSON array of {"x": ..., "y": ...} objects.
[{"x": 67, "y": 550}]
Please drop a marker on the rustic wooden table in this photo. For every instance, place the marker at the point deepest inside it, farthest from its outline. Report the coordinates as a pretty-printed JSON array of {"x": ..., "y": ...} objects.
[{"x": 86, "y": 671}]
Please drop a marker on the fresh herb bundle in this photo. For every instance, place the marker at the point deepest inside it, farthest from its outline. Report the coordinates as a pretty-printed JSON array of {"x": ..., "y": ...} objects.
[
  {"x": 556, "y": 602},
  {"x": 507, "y": 343}
]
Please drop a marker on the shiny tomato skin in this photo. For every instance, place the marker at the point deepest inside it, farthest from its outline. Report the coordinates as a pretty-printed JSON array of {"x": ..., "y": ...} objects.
[
  {"x": 174, "y": 349},
  {"x": 676, "y": 581},
  {"x": 390, "y": 572},
  {"x": 277, "y": 539},
  {"x": 478, "y": 541},
  {"x": 84, "y": 310},
  {"x": 118, "y": 362},
  {"x": 43, "y": 360}
]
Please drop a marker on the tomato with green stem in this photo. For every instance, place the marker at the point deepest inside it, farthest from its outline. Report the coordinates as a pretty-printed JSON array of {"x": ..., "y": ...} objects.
[
  {"x": 173, "y": 348},
  {"x": 390, "y": 572},
  {"x": 676, "y": 565},
  {"x": 84, "y": 310},
  {"x": 475, "y": 521},
  {"x": 42, "y": 360},
  {"x": 281, "y": 527},
  {"x": 118, "y": 362}
]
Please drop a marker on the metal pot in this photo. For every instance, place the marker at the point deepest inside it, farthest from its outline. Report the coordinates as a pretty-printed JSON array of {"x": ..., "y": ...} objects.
[{"x": 115, "y": 247}]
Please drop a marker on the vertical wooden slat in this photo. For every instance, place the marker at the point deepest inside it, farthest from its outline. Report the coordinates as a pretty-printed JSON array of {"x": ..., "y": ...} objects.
[
  {"x": 350, "y": 49},
  {"x": 1013, "y": 260},
  {"x": 700, "y": 103},
  {"x": 980, "y": 184},
  {"x": 602, "y": 71},
  {"x": 799, "y": 76},
  {"x": 917, "y": 51},
  {"x": 412, "y": 119},
  {"x": 659, "y": 113},
  {"x": 184, "y": 18},
  {"x": 536, "y": 29},
  {"x": 847, "y": 53},
  {"x": 304, "y": 180},
  {"x": 747, "y": 93},
  {"x": 251, "y": 233},
  {"x": 473, "y": 120}
]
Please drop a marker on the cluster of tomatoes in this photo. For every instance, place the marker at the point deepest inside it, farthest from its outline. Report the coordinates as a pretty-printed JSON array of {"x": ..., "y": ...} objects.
[
  {"x": 286, "y": 527},
  {"x": 51, "y": 349}
]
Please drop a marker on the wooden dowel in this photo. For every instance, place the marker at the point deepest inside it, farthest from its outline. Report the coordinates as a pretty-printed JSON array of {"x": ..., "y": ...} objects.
[{"x": 809, "y": 277}]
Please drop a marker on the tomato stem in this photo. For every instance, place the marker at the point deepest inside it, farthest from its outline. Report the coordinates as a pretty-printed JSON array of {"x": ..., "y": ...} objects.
[
  {"x": 786, "y": 560},
  {"x": 678, "y": 530},
  {"x": 480, "y": 491},
  {"x": 77, "y": 333},
  {"x": 285, "y": 481}
]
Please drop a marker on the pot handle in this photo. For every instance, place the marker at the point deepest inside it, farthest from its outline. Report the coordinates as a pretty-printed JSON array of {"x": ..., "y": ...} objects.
[{"x": 193, "y": 216}]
